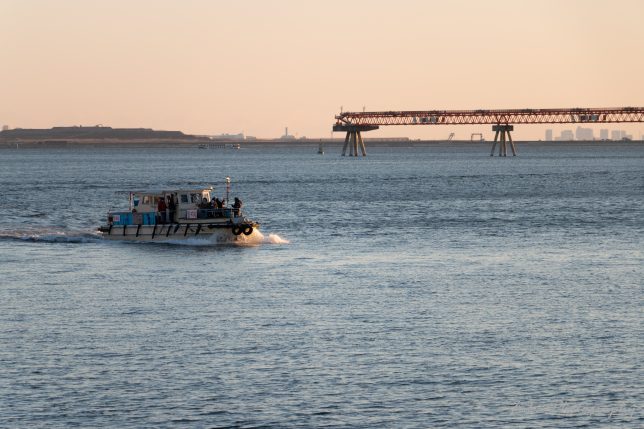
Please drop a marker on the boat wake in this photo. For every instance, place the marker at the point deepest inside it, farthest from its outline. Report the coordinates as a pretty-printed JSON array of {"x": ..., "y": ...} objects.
[
  {"x": 274, "y": 239},
  {"x": 50, "y": 235},
  {"x": 256, "y": 239}
]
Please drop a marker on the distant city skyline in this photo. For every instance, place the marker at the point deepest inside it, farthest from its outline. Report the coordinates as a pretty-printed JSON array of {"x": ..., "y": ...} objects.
[
  {"x": 588, "y": 134},
  {"x": 208, "y": 68}
]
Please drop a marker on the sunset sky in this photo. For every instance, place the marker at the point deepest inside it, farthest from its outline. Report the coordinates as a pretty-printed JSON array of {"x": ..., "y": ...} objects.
[{"x": 211, "y": 67}]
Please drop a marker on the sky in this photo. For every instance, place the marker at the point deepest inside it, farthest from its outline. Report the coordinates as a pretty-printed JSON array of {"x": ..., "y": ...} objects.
[{"x": 212, "y": 67}]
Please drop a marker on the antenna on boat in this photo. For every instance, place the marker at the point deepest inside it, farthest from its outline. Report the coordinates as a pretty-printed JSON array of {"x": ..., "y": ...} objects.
[{"x": 227, "y": 189}]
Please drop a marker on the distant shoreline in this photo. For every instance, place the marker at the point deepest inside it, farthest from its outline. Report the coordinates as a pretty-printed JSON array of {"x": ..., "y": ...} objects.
[
  {"x": 99, "y": 135},
  {"x": 229, "y": 144}
]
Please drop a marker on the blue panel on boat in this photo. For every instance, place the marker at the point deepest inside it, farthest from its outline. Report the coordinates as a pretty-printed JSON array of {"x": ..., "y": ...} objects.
[
  {"x": 121, "y": 218},
  {"x": 149, "y": 218}
]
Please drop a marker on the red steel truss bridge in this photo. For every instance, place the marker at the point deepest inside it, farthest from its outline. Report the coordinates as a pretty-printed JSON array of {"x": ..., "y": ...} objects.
[{"x": 502, "y": 121}]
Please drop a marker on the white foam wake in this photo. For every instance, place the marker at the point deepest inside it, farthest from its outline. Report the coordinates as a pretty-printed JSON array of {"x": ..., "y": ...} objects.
[
  {"x": 275, "y": 239},
  {"x": 255, "y": 239},
  {"x": 50, "y": 235}
]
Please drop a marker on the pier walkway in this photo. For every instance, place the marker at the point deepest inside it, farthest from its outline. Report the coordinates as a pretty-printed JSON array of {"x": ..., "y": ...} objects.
[{"x": 502, "y": 121}]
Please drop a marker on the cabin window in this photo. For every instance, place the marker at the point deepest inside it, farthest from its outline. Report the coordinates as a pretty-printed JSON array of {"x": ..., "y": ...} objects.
[
  {"x": 184, "y": 199},
  {"x": 195, "y": 198}
]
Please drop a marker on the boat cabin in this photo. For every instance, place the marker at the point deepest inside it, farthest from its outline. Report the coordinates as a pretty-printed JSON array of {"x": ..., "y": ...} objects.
[
  {"x": 187, "y": 201},
  {"x": 190, "y": 205}
]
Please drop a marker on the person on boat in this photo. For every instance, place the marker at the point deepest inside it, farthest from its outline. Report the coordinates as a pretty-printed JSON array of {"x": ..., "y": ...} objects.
[
  {"x": 161, "y": 207},
  {"x": 217, "y": 206},
  {"x": 237, "y": 205},
  {"x": 172, "y": 208},
  {"x": 204, "y": 204}
]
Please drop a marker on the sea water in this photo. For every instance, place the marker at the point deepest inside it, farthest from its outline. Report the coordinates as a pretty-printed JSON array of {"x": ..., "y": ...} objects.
[{"x": 429, "y": 286}]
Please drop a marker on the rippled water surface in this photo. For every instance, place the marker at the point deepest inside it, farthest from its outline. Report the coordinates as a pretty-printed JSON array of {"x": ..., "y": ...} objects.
[{"x": 418, "y": 287}]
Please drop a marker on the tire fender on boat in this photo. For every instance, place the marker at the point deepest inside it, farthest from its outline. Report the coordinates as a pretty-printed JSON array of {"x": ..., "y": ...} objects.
[
  {"x": 247, "y": 230},
  {"x": 236, "y": 230}
]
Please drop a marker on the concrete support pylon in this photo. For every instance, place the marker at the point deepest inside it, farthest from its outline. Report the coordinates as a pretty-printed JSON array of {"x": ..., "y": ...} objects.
[
  {"x": 354, "y": 141},
  {"x": 361, "y": 143},
  {"x": 346, "y": 143},
  {"x": 503, "y": 136}
]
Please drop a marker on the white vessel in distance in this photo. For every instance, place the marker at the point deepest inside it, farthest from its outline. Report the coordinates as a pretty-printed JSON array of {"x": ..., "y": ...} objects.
[{"x": 179, "y": 215}]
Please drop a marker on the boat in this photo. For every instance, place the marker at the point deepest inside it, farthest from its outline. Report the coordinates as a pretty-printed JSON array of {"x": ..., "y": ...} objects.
[
  {"x": 184, "y": 214},
  {"x": 219, "y": 146}
]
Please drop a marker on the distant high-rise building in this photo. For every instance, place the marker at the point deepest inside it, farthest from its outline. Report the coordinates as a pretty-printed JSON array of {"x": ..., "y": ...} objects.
[
  {"x": 548, "y": 135},
  {"x": 603, "y": 134},
  {"x": 5, "y": 127},
  {"x": 584, "y": 134},
  {"x": 567, "y": 135},
  {"x": 617, "y": 134}
]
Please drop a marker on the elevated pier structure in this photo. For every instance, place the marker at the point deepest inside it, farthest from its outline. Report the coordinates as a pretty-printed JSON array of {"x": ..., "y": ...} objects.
[{"x": 502, "y": 121}]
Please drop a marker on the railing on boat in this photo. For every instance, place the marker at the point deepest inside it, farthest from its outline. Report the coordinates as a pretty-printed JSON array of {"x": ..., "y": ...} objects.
[
  {"x": 154, "y": 217},
  {"x": 218, "y": 213}
]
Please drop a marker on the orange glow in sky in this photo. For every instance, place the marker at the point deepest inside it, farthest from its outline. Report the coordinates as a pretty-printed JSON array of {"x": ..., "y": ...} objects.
[{"x": 211, "y": 67}]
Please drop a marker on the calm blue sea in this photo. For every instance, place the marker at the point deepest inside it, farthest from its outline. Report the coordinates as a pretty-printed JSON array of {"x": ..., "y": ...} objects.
[{"x": 419, "y": 287}]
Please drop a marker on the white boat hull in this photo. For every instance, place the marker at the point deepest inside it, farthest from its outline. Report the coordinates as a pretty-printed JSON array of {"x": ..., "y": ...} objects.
[{"x": 179, "y": 232}]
